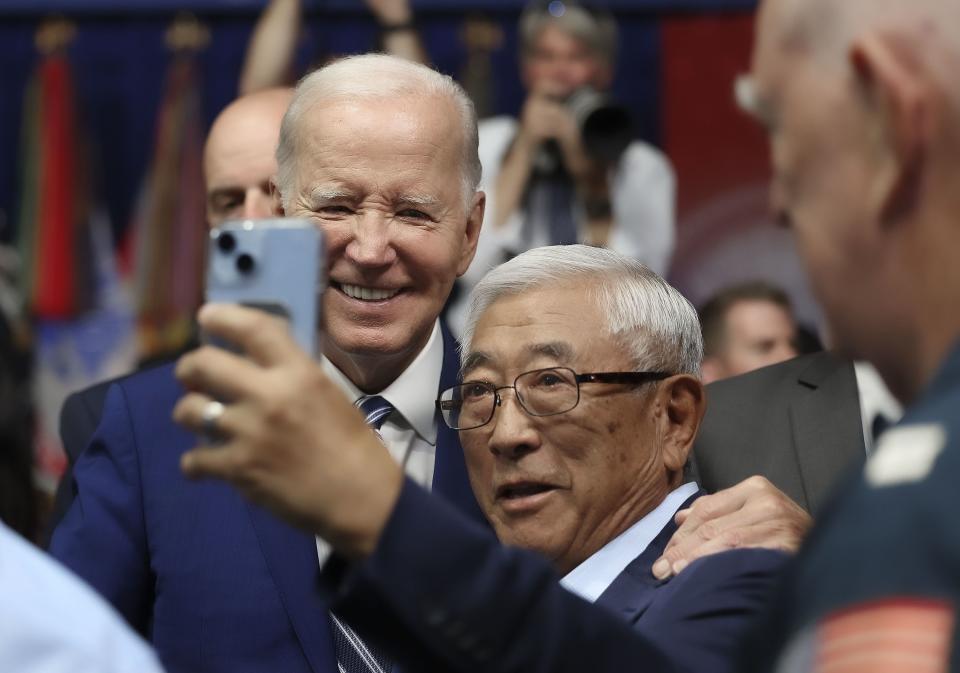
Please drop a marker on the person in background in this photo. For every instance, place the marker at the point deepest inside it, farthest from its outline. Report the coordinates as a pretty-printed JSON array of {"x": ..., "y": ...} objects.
[
  {"x": 746, "y": 327},
  {"x": 269, "y": 61},
  {"x": 19, "y": 499},
  {"x": 238, "y": 165},
  {"x": 238, "y": 157},
  {"x": 545, "y": 183}
]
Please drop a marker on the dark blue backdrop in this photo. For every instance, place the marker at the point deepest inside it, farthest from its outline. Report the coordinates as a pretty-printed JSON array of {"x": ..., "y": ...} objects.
[{"x": 119, "y": 60}]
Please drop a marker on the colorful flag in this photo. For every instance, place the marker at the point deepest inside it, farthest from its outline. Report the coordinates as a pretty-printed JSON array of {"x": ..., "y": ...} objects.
[
  {"x": 54, "y": 208},
  {"x": 169, "y": 228},
  {"x": 81, "y": 318}
]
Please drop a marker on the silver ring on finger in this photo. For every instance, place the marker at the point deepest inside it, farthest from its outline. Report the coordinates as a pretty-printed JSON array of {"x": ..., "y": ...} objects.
[{"x": 210, "y": 418}]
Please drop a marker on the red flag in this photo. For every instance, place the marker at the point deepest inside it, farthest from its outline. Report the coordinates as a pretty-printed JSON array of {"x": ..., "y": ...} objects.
[
  {"x": 54, "y": 208},
  {"x": 169, "y": 223}
]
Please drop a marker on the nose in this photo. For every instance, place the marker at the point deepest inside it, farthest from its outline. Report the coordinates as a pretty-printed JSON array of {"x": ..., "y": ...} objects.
[
  {"x": 371, "y": 244},
  {"x": 514, "y": 433},
  {"x": 257, "y": 204}
]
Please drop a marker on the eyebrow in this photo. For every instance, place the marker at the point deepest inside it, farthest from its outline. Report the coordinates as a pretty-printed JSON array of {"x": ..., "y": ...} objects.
[
  {"x": 319, "y": 195},
  {"x": 474, "y": 360},
  {"x": 418, "y": 199},
  {"x": 324, "y": 194},
  {"x": 556, "y": 350}
]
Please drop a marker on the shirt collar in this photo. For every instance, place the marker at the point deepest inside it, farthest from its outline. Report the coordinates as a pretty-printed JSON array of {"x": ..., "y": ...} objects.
[
  {"x": 875, "y": 400},
  {"x": 414, "y": 392},
  {"x": 592, "y": 577}
]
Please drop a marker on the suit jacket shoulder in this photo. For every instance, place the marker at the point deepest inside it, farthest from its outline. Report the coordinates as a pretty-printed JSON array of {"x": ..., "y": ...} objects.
[
  {"x": 796, "y": 423},
  {"x": 217, "y": 583},
  {"x": 698, "y": 617}
]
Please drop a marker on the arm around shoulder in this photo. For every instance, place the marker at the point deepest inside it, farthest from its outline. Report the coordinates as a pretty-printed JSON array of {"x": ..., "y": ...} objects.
[{"x": 455, "y": 598}]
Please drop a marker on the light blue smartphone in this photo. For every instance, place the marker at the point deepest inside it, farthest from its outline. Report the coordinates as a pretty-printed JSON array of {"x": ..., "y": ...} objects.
[{"x": 273, "y": 265}]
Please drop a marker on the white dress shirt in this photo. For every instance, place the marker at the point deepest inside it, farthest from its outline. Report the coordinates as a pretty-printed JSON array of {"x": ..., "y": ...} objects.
[
  {"x": 409, "y": 433},
  {"x": 875, "y": 400},
  {"x": 594, "y": 576},
  {"x": 52, "y": 622}
]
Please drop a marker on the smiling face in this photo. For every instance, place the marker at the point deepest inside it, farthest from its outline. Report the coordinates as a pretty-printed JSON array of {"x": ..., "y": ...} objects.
[
  {"x": 563, "y": 485},
  {"x": 383, "y": 179}
]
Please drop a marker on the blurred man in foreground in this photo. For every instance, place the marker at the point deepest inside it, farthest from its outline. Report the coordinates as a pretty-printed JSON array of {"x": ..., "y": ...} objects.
[
  {"x": 746, "y": 327},
  {"x": 862, "y": 104},
  {"x": 578, "y": 407},
  {"x": 51, "y": 621}
]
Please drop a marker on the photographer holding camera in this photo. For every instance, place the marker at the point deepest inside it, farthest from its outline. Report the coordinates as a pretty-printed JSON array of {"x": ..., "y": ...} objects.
[{"x": 568, "y": 170}]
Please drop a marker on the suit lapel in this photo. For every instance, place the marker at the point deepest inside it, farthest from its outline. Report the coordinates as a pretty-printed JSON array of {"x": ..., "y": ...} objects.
[
  {"x": 291, "y": 557},
  {"x": 450, "y": 472},
  {"x": 632, "y": 591},
  {"x": 826, "y": 426}
]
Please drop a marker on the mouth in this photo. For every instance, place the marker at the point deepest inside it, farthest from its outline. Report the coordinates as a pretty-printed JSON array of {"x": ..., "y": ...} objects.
[
  {"x": 521, "y": 489},
  {"x": 521, "y": 496},
  {"x": 364, "y": 293}
]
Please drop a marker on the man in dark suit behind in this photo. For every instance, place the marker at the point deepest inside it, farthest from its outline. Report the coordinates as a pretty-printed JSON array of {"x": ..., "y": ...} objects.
[
  {"x": 579, "y": 405},
  {"x": 381, "y": 153},
  {"x": 796, "y": 423}
]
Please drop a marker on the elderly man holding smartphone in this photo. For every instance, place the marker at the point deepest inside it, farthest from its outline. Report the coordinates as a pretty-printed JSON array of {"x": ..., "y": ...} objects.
[{"x": 381, "y": 155}]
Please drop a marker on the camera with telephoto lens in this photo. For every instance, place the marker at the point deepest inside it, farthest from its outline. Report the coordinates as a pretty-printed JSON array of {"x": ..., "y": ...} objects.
[{"x": 605, "y": 126}]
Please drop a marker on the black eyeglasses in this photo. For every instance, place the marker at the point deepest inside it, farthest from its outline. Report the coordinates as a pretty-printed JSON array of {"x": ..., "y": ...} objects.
[{"x": 541, "y": 392}]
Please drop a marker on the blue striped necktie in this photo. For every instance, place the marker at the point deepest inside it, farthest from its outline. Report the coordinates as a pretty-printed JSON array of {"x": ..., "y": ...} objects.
[
  {"x": 354, "y": 655},
  {"x": 375, "y": 410}
]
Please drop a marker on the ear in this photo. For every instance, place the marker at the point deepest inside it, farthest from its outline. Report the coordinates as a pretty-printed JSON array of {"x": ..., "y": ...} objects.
[
  {"x": 682, "y": 405},
  {"x": 472, "y": 232},
  {"x": 277, "y": 201},
  {"x": 895, "y": 87}
]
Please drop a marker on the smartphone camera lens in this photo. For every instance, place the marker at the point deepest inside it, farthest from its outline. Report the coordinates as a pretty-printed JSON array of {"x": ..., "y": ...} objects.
[
  {"x": 226, "y": 242},
  {"x": 245, "y": 263}
]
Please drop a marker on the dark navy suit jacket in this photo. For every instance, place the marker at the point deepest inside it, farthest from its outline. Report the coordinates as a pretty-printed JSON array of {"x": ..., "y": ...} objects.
[
  {"x": 440, "y": 594},
  {"x": 216, "y": 583}
]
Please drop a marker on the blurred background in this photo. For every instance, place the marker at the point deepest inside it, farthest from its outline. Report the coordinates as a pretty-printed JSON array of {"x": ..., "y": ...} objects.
[{"x": 104, "y": 105}]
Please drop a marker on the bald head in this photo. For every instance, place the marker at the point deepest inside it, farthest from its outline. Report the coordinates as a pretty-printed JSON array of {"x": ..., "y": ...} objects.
[
  {"x": 239, "y": 157},
  {"x": 862, "y": 103},
  {"x": 826, "y": 28}
]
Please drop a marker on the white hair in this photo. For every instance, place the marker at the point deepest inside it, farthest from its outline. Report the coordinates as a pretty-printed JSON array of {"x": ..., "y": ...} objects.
[
  {"x": 652, "y": 320},
  {"x": 375, "y": 77}
]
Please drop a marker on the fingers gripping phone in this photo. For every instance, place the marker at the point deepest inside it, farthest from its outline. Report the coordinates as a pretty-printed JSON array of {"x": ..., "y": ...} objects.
[{"x": 274, "y": 265}]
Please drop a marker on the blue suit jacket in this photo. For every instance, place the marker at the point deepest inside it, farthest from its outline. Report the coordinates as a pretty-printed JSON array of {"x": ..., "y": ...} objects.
[
  {"x": 440, "y": 594},
  {"x": 217, "y": 584}
]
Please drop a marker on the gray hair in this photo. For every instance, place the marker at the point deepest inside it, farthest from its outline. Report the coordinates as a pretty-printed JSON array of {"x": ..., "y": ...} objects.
[
  {"x": 374, "y": 77},
  {"x": 652, "y": 320},
  {"x": 596, "y": 29}
]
